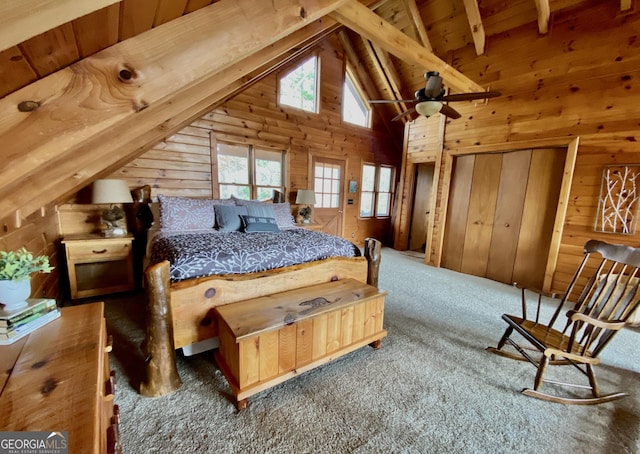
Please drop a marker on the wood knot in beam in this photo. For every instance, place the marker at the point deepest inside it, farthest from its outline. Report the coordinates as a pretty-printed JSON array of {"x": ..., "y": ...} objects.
[
  {"x": 128, "y": 75},
  {"x": 28, "y": 106}
]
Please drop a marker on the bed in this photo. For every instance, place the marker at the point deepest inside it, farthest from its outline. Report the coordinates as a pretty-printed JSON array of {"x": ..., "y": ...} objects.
[{"x": 206, "y": 253}]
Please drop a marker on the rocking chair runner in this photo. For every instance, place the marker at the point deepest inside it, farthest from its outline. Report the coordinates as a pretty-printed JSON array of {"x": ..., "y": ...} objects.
[{"x": 594, "y": 313}]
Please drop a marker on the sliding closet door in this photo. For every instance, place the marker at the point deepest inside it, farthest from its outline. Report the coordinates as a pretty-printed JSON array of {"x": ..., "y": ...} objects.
[
  {"x": 501, "y": 212},
  {"x": 508, "y": 220},
  {"x": 538, "y": 217}
]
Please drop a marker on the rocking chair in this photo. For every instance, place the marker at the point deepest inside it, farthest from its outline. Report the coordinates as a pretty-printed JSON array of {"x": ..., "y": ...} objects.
[{"x": 596, "y": 305}]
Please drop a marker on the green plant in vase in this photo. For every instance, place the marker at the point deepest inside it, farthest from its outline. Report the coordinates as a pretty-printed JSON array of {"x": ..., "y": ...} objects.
[{"x": 16, "y": 268}]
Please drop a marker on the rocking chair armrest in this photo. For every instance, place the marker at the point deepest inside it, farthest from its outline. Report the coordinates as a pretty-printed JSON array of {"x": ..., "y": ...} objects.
[
  {"x": 554, "y": 352},
  {"x": 613, "y": 325}
]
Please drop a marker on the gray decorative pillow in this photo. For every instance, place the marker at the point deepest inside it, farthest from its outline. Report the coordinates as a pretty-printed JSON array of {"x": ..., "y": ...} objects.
[
  {"x": 259, "y": 224},
  {"x": 283, "y": 215},
  {"x": 262, "y": 210},
  {"x": 245, "y": 202},
  {"x": 186, "y": 213},
  {"x": 228, "y": 217}
]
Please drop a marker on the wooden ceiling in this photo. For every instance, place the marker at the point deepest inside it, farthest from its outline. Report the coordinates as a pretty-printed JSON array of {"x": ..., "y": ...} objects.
[
  {"x": 109, "y": 79},
  {"x": 34, "y": 43}
]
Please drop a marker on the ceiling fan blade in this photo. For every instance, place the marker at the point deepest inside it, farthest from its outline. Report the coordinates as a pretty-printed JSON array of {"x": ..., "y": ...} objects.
[
  {"x": 471, "y": 96},
  {"x": 406, "y": 112},
  {"x": 449, "y": 111},
  {"x": 383, "y": 101}
]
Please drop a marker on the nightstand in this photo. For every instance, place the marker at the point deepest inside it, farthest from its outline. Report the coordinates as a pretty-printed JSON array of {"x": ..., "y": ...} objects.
[
  {"x": 311, "y": 226},
  {"x": 97, "y": 265}
]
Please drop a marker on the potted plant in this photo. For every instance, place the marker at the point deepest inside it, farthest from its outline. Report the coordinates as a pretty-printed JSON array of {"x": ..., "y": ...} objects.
[{"x": 16, "y": 268}]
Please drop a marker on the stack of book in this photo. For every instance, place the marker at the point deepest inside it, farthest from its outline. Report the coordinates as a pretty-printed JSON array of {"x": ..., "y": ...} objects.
[{"x": 17, "y": 324}]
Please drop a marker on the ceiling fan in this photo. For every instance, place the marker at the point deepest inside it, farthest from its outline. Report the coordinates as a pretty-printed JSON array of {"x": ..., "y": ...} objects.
[{"x": 429, "y": 100}]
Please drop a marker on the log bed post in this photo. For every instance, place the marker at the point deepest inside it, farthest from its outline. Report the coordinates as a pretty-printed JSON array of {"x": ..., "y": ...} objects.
[
  {"x": 372, "y": 252},
  {"x": 161, "y": 369}
]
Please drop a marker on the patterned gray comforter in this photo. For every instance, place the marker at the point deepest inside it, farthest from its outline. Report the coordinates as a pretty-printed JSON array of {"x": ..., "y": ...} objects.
[{"x": 205, "y": 254}]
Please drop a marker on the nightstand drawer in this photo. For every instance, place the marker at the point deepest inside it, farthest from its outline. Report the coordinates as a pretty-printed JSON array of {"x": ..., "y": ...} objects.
[{"x": 99, "y": 250}]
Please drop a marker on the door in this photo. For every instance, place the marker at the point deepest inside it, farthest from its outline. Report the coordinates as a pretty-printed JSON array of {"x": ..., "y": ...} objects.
[
  {"x": 501, "y": 213},
  {"x": 420, "y": 209},
  {"x": 328, "y": 181}
]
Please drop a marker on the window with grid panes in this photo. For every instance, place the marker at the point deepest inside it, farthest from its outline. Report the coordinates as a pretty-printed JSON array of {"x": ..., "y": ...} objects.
[
  {"x": 376, "y": 193},
  {"x": 327, "y": 185},
  {"x": 249, "y": 172}
]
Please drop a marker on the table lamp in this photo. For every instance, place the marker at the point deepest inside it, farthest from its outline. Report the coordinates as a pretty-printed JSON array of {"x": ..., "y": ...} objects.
[
  {"x": 112, "y": 192},
  {"x": 306, "y": 197}
]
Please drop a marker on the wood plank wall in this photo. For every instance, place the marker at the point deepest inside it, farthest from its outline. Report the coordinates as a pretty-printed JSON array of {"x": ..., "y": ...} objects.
[
  {"x": 181, "y": 164},
  {"x": 581, "y": 79}
]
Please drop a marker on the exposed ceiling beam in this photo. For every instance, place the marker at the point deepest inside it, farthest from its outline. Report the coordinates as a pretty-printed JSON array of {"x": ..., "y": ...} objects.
[
  {"x": 24, "y": 19},
  {"x": 88, "y": 110},
  {"x": 382, "y": 76},
  {"x": 418, "y": 24},
  {"x": 544, "y": 14},
  {"x": 625, "y": 5},
  {"x": 154, "y": 124},
  {"x": 475, "y": 23},
  {"x": 371, "y": 26},
  {"x": 389, "y": 74}
]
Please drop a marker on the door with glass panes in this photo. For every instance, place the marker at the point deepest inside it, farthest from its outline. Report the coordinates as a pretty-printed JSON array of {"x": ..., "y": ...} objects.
[{"x": 328, "y": 181}]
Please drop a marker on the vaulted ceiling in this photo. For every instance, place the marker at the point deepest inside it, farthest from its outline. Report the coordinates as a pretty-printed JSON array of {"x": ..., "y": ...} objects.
[{"x": 74, "y": 75}]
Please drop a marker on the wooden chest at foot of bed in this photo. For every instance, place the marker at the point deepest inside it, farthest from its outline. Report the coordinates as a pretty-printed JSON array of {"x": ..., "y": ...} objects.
[{"x": 267, "y": 340}]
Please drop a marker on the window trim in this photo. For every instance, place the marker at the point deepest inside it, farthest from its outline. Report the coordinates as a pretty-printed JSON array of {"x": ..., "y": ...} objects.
[
  {"x": 288, "y": 70},
  {"x": 375, "y": 192}
]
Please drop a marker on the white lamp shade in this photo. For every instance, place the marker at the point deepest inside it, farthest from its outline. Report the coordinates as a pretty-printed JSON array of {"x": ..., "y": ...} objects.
[
  {"x": 110, "y": 191},
  {"x": 428, "y": 108},
  {"x": 306, "y": 197}
]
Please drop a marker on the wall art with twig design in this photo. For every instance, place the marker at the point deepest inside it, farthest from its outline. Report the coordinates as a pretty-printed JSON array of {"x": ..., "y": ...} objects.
[{"x": 618, "y": 203}]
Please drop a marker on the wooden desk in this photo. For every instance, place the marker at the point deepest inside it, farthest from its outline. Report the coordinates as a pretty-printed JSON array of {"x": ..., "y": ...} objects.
[{"x": 57, "y": 379}]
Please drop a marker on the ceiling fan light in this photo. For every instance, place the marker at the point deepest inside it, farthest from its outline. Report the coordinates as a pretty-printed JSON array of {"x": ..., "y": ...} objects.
[{"x": 428, "y": 108}]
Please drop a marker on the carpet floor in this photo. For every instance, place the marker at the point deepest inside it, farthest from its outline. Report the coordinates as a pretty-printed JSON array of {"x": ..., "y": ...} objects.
[{"x": 431, "y": 388}]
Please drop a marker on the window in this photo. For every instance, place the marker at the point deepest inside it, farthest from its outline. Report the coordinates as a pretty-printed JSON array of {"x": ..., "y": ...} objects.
[
  {"x": 299, "y": 87},
  {"x": 327, "y": 185},
  {"x": 249, "y": 172},
  {"x": 377, "y": 191},
  {"x": 355, "y": 109}
]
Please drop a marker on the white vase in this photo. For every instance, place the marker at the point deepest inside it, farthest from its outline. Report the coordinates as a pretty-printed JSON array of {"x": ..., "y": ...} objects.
[{"x": 14, "y": 294}]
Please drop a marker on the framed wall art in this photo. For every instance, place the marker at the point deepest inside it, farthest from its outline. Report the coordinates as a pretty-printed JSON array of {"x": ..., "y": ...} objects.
[{"x": 618, "y": 202}]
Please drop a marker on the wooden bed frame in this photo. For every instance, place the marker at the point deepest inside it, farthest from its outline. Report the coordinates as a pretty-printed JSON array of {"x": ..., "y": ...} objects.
[{"x": 181, "y": 314}]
